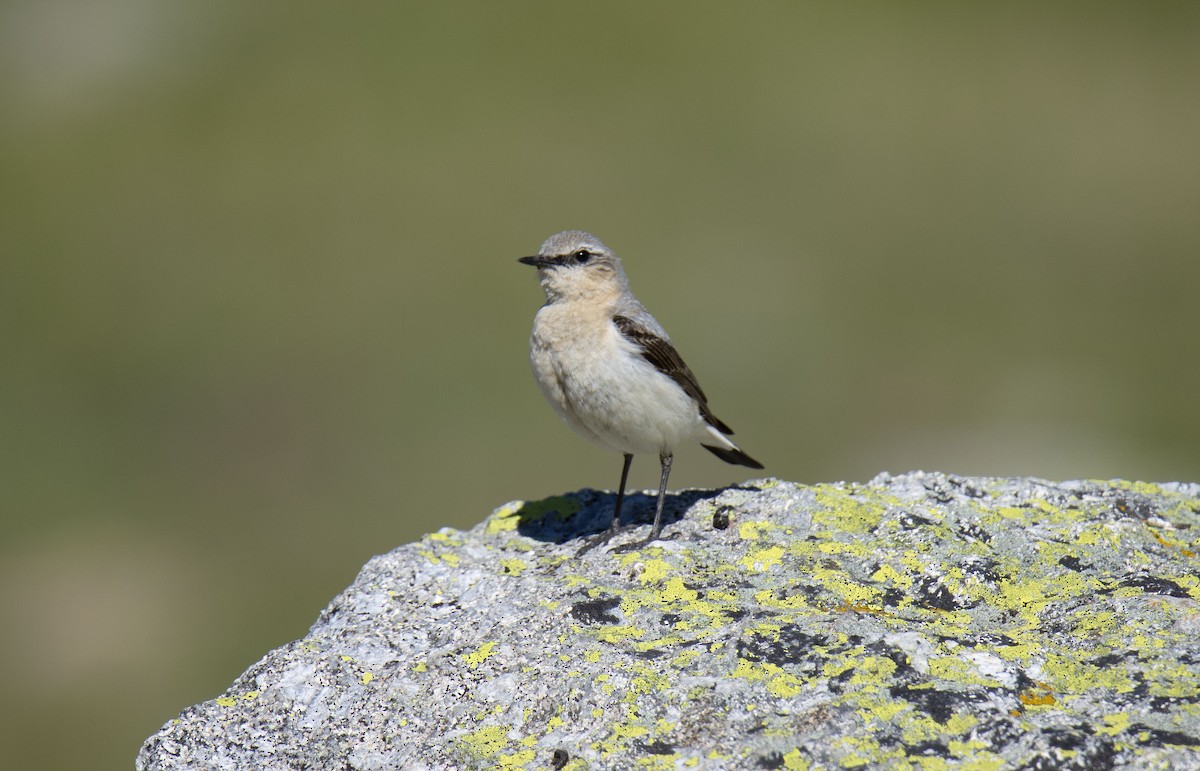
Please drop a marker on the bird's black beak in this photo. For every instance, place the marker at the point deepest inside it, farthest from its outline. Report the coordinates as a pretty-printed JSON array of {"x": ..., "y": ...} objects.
[{"x": 536, "y": 260}]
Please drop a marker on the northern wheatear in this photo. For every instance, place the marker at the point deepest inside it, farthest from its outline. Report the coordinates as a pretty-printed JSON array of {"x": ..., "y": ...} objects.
[{"x": 608, "y": 368}]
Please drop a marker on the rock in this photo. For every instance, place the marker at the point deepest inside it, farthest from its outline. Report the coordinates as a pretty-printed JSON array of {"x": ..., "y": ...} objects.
[{"x": 917, "y": 621}]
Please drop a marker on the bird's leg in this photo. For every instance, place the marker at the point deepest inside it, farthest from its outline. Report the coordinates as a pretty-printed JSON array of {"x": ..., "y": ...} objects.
[
  {"x": 616, "y": 518},
  {"x": 615, "y": 526},
  {"x": 655, "y": 531},
  {"x": 665, "y": 459}
]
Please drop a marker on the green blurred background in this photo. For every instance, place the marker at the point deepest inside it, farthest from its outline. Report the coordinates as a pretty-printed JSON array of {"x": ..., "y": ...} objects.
[{"x": 262, "y": 316}]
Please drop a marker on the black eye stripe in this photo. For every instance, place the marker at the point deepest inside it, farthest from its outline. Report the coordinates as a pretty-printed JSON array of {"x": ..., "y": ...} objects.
[{"x": 577, "y": 257}]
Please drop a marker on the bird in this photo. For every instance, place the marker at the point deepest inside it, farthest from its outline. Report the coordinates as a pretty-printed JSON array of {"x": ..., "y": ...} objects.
[{"x": 609, "y": 369}]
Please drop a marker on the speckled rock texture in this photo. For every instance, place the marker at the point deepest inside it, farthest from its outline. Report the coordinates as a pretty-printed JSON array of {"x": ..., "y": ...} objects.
[{"x": 921, "y": 621}]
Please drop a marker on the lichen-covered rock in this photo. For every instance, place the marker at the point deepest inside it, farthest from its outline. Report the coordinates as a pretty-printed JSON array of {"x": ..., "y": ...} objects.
[{"x": 919, "y": 621}]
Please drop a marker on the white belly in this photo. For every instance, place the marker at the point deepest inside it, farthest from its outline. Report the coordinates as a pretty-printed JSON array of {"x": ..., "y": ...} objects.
[{"x": 606, "y": 391}]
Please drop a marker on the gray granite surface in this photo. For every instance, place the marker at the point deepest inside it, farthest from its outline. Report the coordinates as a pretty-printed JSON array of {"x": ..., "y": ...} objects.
[{"x": 921, "y": 621}]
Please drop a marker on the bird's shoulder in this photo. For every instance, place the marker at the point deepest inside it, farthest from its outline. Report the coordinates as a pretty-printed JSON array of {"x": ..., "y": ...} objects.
[
  {"x": 638, "y": 320},
  {"x": 655, "y": 347}
]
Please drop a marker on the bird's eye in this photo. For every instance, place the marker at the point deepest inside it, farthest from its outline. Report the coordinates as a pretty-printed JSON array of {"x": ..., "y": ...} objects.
[{"x": 582, "y": 256}]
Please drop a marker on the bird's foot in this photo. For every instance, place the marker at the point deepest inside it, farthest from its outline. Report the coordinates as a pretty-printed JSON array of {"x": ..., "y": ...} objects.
[{"x": 596, "y": 540}]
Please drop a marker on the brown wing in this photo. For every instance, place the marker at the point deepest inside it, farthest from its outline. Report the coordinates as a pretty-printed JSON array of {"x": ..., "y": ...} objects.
[{"x": 666, "y": 360}]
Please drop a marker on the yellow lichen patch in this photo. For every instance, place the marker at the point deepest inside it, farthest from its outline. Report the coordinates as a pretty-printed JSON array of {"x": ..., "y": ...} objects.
[
  {"x": 1012, "y": 512},
  {"x": 1191, "y": 583},
  {"x": 870, "y": 672},
  {"x": 1114, "y": 723},
  {"x": 888, "y": 574},
  {"x": 1176, "y": 680},
  {"x": 653, "y": 571},
  {"x": 1141, "y": 488},
  {"x": 1027, "y": 596},
  {"x": 505, "y": 518},
  {"x": 779, "y": 683},
  {"x": 675, "y": 591},
  {"x": 1065, "y": 673},
  {"x": 1097, "y": 534},
  {"x": 768, "y": 630},
  {"x": 511, "y": 515},
  {"x": 846, "y": 512},
  {"x": 625, "y": 730},
  {"x": 1057, "y": 514},
  {"x": 919, "y": 727},
  {"x": 850, "y": 591},
  {"x": 879, "y": 711},
  {"x": 763, "y": 559},
  {"x": 480, "y": 654},
  {"x": 865, "y": 751},
  {"x": 913, "y": 562},
  {"x": 231, "y": 701},
  {"x": 367, "y": 677},
  {"x": 714, "y": 614},
  {"x": 450, "y": 558},
  {"x": 1143, "y": 642},
  {"x": 835, "y": 667},
  {"x": 513, "y": 567},
  {"x": 783, "y": 685},
  {"x": 685, "y": 658},
  {"x": 485, "y": 743},
  {"x": 1053, "y": 551},
  {"x": 752, "y": 531},
  {"x": 749, "y": 670},
  {"x": 794, "y": 761},
  {"x": 616, "y": 634},
  {"x": 518, "y": 759},
  {"x": 978, "y": 752},
  {"x": 950, "y": 623},
  {"x": 644, "y": 681},
  {"x": 769, "y": 599}
]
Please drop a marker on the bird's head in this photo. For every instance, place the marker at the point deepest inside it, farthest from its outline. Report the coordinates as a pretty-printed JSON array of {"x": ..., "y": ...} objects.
[{"x": 577, "y": 265}]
